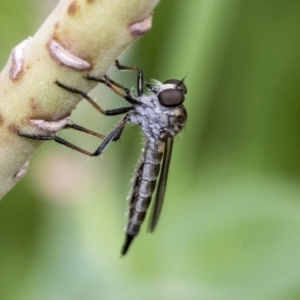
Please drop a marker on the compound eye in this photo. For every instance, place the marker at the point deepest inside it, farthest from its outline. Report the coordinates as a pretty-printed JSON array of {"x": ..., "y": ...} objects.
[
  {"x": 178, "y": 83},
  {"x": 173, "y": 94},
  {"x": 171, "y": 97}
]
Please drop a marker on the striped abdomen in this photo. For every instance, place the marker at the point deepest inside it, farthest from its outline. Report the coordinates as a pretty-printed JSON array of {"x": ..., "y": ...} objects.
[{"x": 142, "y": 191}]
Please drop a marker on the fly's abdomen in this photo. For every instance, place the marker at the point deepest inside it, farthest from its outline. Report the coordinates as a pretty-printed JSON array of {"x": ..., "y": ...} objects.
[{"x": 143, "y": 189}]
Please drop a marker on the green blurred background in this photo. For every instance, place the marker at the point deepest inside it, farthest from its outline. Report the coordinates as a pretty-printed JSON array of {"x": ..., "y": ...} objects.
[{"x": 230, "y": 227}]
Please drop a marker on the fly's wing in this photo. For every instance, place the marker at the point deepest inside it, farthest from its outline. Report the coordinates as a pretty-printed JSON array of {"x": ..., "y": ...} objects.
[{"x": 161, "y": 187}]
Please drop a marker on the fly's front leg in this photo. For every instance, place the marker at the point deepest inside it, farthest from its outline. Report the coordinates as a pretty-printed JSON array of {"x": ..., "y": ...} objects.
[
  {"x": 114, "y": 86},
  {"x": 140, "y": 78}
]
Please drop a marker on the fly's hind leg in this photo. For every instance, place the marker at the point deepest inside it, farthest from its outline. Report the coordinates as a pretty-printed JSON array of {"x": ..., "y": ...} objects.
[
  {"x": 53, "y": 137},
  {"x": 113, "y": 136},
  {"x": 57, "y": 140},
  {"x": 82, "y": 129}
]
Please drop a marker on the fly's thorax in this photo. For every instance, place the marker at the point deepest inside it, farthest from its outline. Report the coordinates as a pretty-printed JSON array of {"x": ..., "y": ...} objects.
[
  {"x": 174, "y": 119},
  {"x": 156, "y": 120}
]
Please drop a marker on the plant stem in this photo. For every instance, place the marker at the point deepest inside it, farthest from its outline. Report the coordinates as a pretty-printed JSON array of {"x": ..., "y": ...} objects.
[{"x": 80, "y": 37}]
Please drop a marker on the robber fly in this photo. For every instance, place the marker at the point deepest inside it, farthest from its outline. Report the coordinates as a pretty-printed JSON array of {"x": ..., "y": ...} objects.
[{"x": 161, "y": 116}]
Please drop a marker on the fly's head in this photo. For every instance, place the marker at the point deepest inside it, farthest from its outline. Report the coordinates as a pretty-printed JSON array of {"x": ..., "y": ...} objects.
[{"x": 170, "y": 93}]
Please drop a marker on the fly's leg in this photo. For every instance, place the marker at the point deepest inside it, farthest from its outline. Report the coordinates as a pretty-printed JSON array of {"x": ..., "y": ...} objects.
[
  {"x": 79, "y": 128},
  {"x": 111, "y": 112},
  {"x": 113, "y": 136},
  {"x": 82, "y": 129},
  {"x": 57, "y": 140},
  {"x": 140, "y": 78},
  {"x": 116, "y": 133},
  {"x": 117, "y": 136},
  {"x": 61, "y": 141},
  {"x": 114, "y": 86},
  {"x": 108, "y": 82}
]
